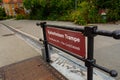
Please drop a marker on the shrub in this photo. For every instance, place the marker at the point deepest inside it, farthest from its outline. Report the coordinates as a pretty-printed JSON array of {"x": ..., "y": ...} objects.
[
  {"x": 113, "y": 15},
  {"x": 64, "y": 18},
  {"x": 20, "y": 16},
  {"x": 76, "y": 17},
  {"x": 86, "y": 10},
  {"x": 2, "y": 14},
  {"x": 80, "y": 16},
  {"x": 49, "y": 9},
  {"x": 86, "y": 13}
]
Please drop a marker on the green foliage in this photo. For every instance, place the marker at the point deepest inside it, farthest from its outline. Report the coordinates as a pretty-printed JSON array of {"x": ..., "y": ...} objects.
[
  {"x": 77, "y": 18},
  {"x": 87, "y": 11},
  {"x": 48, "y": 9},
  {"x": 59, "y": 9},
  {"x": 37, "y": 7},
  {"x": 27, "y": 4},
  {"x": 113, "y": 8},
  {"x": 114, "y": 11},
  {"x": 20, "y": 16},
  {"x": 93, "y": 16},
  {"x": 2, "y": 14},
  {"x": 113, "y": 15},
  {"x": 109, "y": 4}
]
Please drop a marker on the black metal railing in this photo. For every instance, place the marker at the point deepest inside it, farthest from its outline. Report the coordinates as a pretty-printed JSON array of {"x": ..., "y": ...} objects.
[{"x": 90, "y": 32}]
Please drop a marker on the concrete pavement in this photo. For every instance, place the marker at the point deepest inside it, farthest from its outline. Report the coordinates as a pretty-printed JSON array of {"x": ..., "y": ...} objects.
[
  {"x": 107, "y": 50},
  {"x": 20, "y": 61},
  {"x": 29, "y": 26},
  {"x": 13, "y": 49}
]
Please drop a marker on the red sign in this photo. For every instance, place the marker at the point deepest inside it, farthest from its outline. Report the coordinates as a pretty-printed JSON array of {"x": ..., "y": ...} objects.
[{"x": 66, "y": 39}]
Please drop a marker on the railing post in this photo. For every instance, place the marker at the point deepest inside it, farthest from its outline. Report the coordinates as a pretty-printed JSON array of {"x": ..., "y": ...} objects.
[
  {"x": 90, "y": 49},
  {"x": 45, "y": 42}
]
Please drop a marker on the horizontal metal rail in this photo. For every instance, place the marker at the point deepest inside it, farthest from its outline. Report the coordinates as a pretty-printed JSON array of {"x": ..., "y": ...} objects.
[{"x": 115, "y": 34}]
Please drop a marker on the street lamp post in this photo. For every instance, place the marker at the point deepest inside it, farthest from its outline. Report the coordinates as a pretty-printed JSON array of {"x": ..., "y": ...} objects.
[{"x": 75, "y": 4}]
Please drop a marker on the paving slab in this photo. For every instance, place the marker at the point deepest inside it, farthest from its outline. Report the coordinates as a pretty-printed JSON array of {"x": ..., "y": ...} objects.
[{"x": 31, "y": 69}]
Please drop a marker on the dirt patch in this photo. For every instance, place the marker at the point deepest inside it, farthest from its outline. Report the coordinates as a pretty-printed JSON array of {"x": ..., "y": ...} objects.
[{"x": 31, "y": 69}]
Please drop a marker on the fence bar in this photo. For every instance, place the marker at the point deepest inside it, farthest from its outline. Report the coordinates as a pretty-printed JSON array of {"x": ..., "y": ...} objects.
[
  {"x": 90, "y": 51},
  {"x": 90, "y": 59},
  {"x": 115, "y": 34},
  {"x": 66, "y": 27},
  {"x": 45, "y": 42},
  {"x": 112, "y": 73}
]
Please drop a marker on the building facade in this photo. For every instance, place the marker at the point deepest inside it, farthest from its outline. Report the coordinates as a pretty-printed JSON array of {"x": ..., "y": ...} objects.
[{"x": 11, "y": 6}]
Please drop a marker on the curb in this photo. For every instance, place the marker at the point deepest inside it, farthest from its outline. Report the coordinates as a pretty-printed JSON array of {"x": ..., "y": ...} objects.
[{"x": 33, "y": 41}]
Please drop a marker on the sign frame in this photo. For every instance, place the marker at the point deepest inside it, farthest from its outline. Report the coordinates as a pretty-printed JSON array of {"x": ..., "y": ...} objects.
[{"x": 68, "y": 40}]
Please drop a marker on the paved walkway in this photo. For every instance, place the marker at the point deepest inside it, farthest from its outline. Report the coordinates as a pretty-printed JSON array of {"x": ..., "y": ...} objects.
[
  {"x": 20, "y": 61},
  {"x": 13, "y": 49}
]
